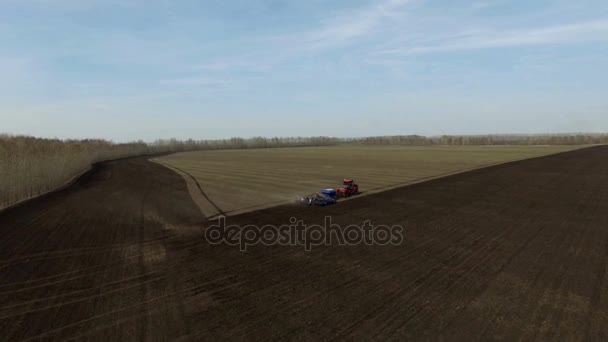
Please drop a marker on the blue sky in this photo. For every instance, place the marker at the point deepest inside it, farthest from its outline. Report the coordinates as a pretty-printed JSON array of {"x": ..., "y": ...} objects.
[{"x": 145, "y": 69}]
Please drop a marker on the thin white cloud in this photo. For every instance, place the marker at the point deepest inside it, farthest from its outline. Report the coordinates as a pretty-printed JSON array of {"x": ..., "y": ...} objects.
[
  {"x": 72, "y": 4},
  {"x": 485, "y": 39},
  {"x": 347, "y": 26},
  {"x": 228, "y": 64},
  {"x": 335, "y": 30},
  {"x": 195, "y": 82},
  {"x": 483, "y": 4}
]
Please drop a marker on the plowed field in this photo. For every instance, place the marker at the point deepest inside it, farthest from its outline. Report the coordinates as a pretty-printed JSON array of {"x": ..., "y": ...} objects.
[{"x": 513, "y": 251}]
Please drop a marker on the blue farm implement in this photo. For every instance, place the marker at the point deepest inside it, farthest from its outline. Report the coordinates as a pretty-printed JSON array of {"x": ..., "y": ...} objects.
[{"x": 320, "y": 199}]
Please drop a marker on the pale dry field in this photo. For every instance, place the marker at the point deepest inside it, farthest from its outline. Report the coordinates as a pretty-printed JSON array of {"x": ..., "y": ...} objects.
[{"x": 236, "y": 181}]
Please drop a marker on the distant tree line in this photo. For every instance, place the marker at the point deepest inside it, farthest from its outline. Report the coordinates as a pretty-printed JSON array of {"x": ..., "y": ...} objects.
[
  {"x": 32, "y": 166},
  {"x": 406, "y": 140},
  {"x": 480, "y": 140},
  {"x": 169, "y": 145}
]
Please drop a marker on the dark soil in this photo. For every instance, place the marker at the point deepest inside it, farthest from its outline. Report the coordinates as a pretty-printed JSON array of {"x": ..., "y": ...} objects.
[{"x": 515, "y": 251}]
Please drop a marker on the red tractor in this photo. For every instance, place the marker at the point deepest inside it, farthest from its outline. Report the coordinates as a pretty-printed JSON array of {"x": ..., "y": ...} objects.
[{"x": 348, "y": 189}]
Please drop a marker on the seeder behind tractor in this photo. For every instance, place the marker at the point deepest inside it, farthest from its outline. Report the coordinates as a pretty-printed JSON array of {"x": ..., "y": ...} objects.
[{"x": 330, "y": 196}]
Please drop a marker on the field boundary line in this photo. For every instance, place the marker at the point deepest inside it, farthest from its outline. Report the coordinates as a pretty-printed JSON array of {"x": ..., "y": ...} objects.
[
  {"x": 423, "y": 179},
  {"x": 454, "y": 173},
  {"x": 373, "y": 191},
  {"x": 185, "y": 174}
]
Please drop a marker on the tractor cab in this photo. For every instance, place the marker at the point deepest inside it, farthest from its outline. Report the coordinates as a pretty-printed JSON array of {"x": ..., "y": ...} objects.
[
  {"x": 349, "y": 188},
  {"x": 348, "y": 184}
]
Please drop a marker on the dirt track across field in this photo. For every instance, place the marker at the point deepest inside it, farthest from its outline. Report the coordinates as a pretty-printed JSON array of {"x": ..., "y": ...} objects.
[{"x": 515, "y": 251}]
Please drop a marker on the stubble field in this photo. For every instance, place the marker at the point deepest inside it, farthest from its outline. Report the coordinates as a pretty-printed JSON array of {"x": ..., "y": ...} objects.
[{"x": 237, "y": 181}]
